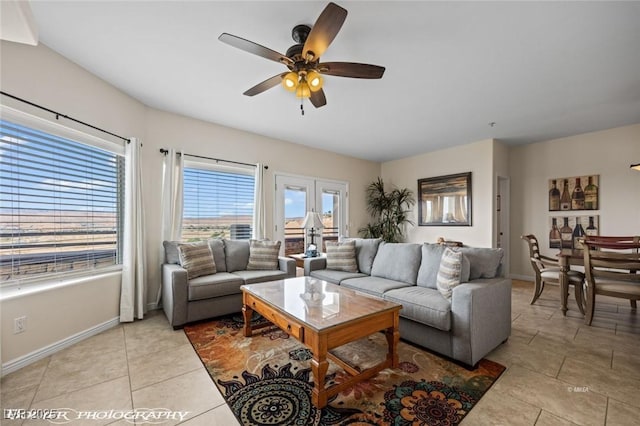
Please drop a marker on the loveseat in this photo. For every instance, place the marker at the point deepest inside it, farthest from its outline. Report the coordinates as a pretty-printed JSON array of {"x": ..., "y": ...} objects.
[
  {"x": 185, "y": 300},
  {"x": 467, "y": 326}
]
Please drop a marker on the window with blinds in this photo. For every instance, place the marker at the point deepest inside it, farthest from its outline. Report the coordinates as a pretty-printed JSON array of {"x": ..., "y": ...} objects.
[
  {"x": 218, "y": 203},
  {"x": 61, "y": 203}
]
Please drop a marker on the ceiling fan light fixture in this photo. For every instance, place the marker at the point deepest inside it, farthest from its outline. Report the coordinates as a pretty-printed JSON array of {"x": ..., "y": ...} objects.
[
  {"x": 315, "y": 81},
  {"x": 290, "y": 81},
  {"x": 303, "y": 91}
]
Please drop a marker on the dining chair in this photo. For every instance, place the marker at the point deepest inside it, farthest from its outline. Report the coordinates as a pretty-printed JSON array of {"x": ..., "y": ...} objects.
[
  {"x": 612, "y": 268},
  {"x": 547, "y": 271}
]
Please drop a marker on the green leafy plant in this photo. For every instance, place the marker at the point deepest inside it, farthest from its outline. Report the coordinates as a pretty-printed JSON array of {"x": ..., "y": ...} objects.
[{"x": 389, "y": 211}]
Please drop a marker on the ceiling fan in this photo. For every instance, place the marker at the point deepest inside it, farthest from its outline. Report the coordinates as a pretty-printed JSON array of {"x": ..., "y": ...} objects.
[{"x": 303, "y": 58}]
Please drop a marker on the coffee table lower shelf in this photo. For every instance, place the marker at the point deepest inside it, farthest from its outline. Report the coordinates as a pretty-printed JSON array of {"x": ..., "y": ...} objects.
[{"x": 320, "y": 342}]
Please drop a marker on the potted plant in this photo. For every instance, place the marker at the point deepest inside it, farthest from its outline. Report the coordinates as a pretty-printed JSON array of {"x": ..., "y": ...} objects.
[{"x": 389, "y": 211}]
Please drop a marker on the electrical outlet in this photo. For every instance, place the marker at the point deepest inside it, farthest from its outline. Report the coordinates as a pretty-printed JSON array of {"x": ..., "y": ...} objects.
[{"x": 19, "y": 325}]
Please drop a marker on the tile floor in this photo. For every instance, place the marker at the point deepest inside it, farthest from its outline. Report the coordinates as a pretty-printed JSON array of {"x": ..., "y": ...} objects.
[{"x": 560, "y": 372}]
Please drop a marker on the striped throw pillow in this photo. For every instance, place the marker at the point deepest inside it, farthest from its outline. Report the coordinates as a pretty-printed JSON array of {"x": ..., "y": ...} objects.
[
  {"x": 449, "y": 272},
  {"x": 197, "y": 259},
  {"x": 263, "y": 255},
  {"x": 341, "y": 256}
]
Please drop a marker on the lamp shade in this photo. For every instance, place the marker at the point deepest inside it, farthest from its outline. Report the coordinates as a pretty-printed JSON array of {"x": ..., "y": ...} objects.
[
  {"x": 312, "y": 220},
  {"x": 303, "y": 91},
  {"x": 635, "y": 166},
  {"x": 290, "y": 81},
  {"x": 314, "y": 80}
]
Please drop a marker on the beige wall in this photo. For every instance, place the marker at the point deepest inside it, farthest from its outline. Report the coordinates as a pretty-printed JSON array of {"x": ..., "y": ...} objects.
[
  {"x": 42, "y": 76},
  {"x": 606, "y": 153},
  {"x": 477, "y": 158}
]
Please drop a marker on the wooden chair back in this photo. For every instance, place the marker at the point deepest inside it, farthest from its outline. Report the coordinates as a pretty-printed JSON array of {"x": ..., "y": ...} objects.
[{"x": 613, "y": 261}]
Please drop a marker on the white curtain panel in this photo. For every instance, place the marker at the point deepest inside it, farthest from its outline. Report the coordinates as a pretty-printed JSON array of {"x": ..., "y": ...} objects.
[
  {"x": 172, "y": 183},
  {"x": 258, "y": 204},
  {"x": 134, "y": 288},
  {"x": 172, "y": 203}
]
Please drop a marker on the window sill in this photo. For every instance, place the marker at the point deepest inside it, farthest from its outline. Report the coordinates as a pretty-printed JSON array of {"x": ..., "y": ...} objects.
[{"x": 21, "y": 289}]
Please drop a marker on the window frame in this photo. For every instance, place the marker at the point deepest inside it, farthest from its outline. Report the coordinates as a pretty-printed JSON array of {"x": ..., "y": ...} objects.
[
  {"x": 54, "y": 129},
  {"x": 212, "y": 166}
]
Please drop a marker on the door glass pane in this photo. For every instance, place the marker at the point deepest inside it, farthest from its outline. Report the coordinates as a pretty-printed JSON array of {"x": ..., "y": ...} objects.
[
  {"x": 295, "y": 207},
  {"x": 330, "y": 216}
]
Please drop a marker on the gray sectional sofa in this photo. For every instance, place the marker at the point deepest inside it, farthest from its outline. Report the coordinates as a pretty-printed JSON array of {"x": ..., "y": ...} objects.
[
  {"x": 466, "y": 327},
  {"x": 213, "y": 295}
]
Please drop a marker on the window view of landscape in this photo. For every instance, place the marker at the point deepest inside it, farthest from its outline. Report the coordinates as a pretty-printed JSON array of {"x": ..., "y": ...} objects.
[
  {"x": 217, "y": 204},
  {"x": 60, "y": 204},
  {"x": 295, "y": 211}
]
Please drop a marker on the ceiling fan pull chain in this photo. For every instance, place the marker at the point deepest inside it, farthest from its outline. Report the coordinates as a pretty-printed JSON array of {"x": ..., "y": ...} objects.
[{"x": 301, "y": 106}]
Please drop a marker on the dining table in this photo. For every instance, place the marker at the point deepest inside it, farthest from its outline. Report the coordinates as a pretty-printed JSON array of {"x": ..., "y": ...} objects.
[{"x": 566, "y": 258}]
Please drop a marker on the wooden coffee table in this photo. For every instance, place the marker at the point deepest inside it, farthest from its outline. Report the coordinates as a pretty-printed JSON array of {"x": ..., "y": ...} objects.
[{"x": 324, "y": 316}]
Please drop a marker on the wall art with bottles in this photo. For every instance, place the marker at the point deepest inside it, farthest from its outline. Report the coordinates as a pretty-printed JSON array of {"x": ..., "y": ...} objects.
[
  {"x": 567, "y": 231},
  {"x": 574, "y": 193}
]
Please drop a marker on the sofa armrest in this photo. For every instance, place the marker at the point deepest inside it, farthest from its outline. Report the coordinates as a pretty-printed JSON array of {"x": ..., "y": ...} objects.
[
  {"x": 481, "y": 317},
  {"x": 287, "y": 265},
  {"x": 313, "y": 264},
  {"x": 175, "y": 296}
]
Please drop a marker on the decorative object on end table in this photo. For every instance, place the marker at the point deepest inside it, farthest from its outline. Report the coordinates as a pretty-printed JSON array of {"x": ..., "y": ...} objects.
[
  {"x": 445, "y": 200},
  {"x": 389, "y": 211},
  {"x": 312, "y": 223}
]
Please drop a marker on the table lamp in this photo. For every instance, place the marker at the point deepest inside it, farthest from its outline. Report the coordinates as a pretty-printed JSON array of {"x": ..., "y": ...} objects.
[{"x": 312, "y": 223}]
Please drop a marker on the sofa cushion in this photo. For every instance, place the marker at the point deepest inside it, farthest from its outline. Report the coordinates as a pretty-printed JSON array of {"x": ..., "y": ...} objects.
[
  {"x": 341, "y": 256},
  {"x": 485, "y": 262},
  {"x": 236, "y": 254},
  {"x": 424, "y": 305},
  {"x": 217, "y": 285},
  {"x": 397, "y": 261},
  {"x": 197, "y": 259},
  {"x": 335, "y": 277},
  {"x": 217, "y": 248},
  {"x": 428, "y": 272},
  {"x": 263, "y": 255},
  {"x": 171, "y": 254},
  {"x": 372, "y": 285},
  {"x": 449, "y": 272},
  {"x": 259, "y": 276},
  {"x": 366, "y": 249}
]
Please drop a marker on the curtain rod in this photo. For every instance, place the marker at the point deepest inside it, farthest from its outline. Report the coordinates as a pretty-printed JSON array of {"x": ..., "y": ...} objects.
[
  {"x": 166, "y": 151},
  {"x": 58, "y": 115}
]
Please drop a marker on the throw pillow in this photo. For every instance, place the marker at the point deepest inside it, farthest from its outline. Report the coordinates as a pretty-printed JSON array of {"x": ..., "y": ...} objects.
[
  {"x": 450, "y": 271},
  {"x": 341, "y": 256},
  {"x": 197, "y": 259},
  {"x": 263, "y": 255}
]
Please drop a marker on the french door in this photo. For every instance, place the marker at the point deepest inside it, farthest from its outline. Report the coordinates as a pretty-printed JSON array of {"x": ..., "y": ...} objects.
[{"x": 297, "y": 195}]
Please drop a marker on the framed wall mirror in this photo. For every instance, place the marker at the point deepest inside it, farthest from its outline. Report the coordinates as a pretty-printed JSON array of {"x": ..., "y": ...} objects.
[{"x": 445, "y": 200}]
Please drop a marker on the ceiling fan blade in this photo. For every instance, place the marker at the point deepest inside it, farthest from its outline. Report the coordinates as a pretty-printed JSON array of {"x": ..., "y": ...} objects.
[
  {"x": 265, "y": 85},
  {"x": 255, "y": 48},
  {"x": 318, "y": 99},
  {"x": 324, "y": 31},
  {"x": 351, "y": 69}
]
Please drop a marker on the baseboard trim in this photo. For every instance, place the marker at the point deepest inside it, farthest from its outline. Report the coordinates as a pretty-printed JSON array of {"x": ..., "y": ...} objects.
[{"x": 37, "y": 355}]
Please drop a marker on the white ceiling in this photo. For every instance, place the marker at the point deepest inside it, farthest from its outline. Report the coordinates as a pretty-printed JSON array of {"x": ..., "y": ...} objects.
[{"x": 539, "y": 70}]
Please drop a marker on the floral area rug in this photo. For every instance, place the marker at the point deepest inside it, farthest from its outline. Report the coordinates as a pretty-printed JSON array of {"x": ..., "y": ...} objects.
[{"x": 266, "y": 379}]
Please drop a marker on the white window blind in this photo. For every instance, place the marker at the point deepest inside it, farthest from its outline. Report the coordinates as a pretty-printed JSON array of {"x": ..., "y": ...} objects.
[
  {"x": 218, "y": 203},
  {"x": 60, "y": 204}
]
